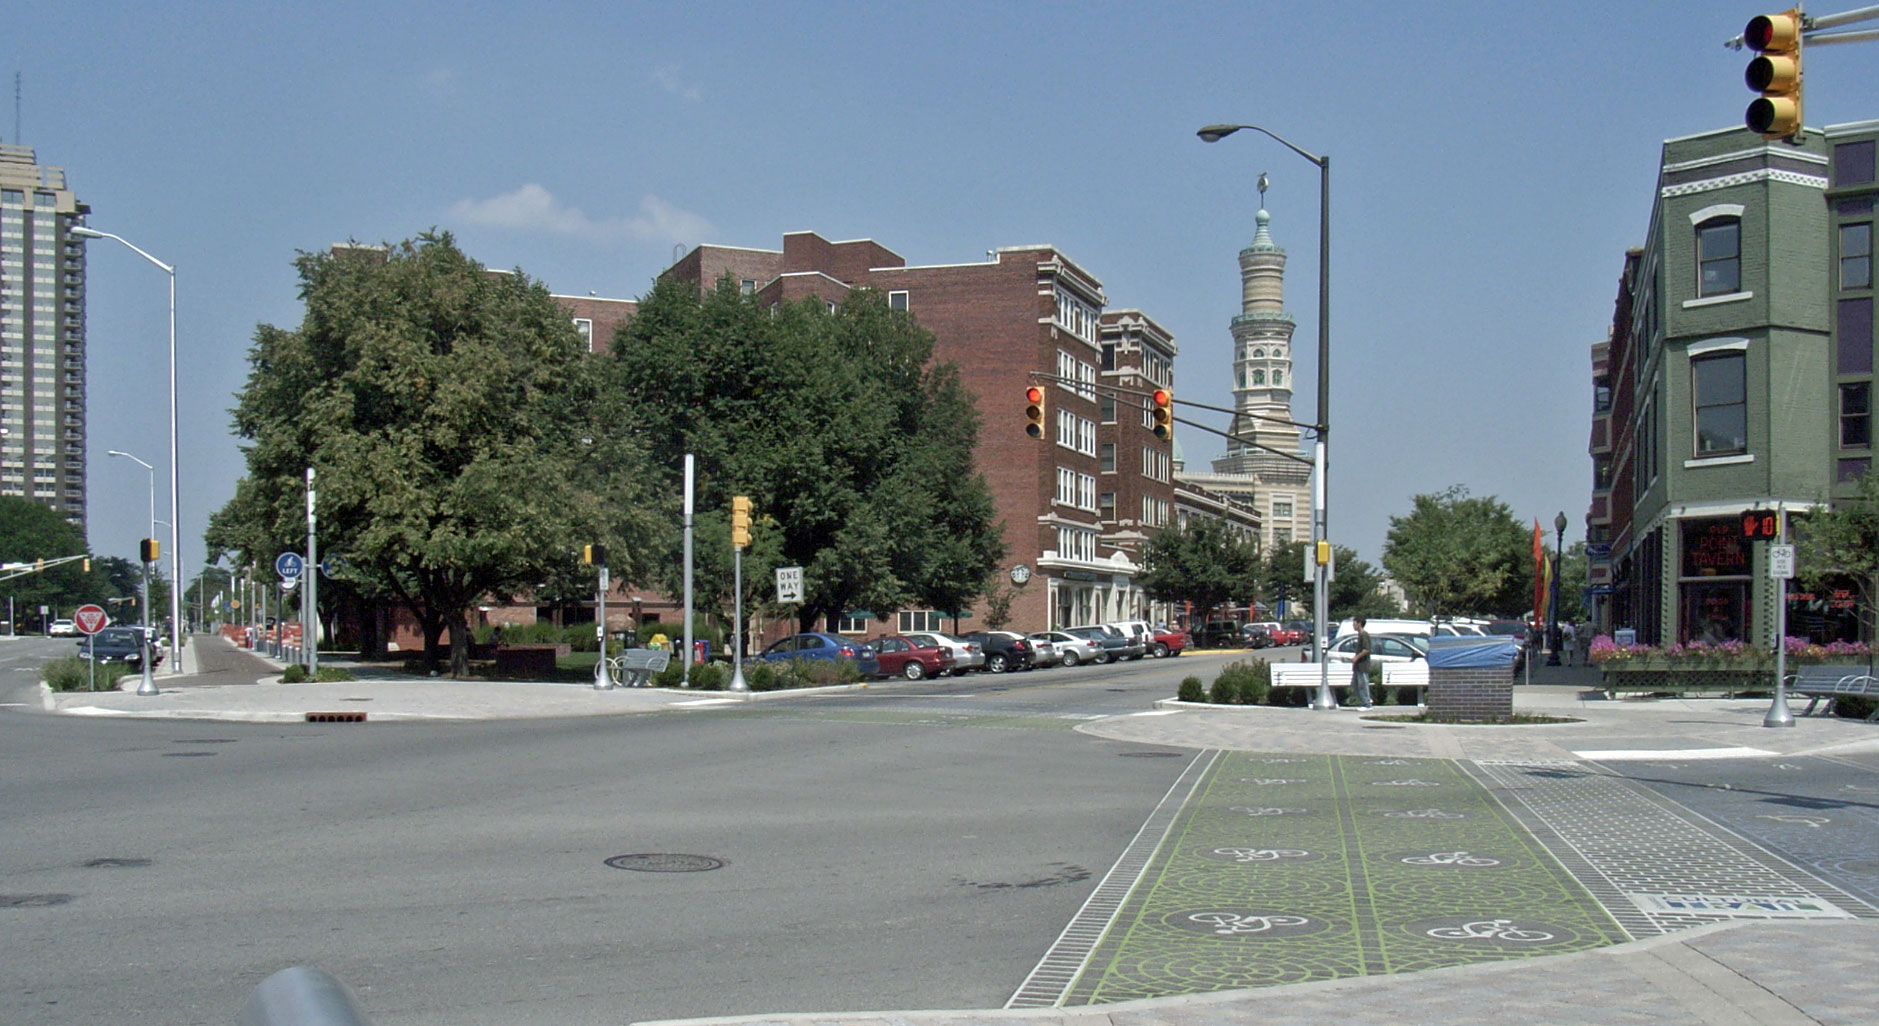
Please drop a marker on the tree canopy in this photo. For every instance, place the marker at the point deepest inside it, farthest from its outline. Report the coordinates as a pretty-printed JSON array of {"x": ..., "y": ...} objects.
[
  {"x": 1840, "y": 546},
  {"x": 451, "y": 415},
  {"x": 1457, "y": 554},
  {"x": 854, "y": 447},
  {"x": 1353, "y": 592},
  {"x": 1201, "y": 563}
]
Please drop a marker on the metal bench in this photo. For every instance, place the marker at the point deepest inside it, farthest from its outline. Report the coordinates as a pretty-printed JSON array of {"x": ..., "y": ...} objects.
[
  {"x": 635, "y": 667},
  {"x": 1818, "y": 683},
  {"x": 1413, "y": 674},
  {"x": 1305, "y": 675}
]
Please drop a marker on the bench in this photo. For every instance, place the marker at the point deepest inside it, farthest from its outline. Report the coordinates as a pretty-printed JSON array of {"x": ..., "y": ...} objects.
[
  {"x": 1413, "y": 674},
  {"x": 1305, "y": 675},
  {"x": 638, "y": 665},
  {"x": 1817, "y": 683}
]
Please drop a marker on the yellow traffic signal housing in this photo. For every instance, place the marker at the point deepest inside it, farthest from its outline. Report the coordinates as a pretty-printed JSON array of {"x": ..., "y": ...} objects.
[
  {"x": 1034, "y": 411},
  {"x": 85, "y": 565},
  {"x": 1163, "y": 413},
  {"x": 1775, "y": 73},
  {"x": 150, "y": 550},
  {"x": 1323, "y": 553},
  {"x": 594, "y": 555},
  {"x": 740, "y": 521}
]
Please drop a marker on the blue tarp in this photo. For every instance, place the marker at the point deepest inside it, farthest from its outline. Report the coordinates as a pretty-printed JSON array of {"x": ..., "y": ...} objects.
[{"x": 1473, "y": 653}]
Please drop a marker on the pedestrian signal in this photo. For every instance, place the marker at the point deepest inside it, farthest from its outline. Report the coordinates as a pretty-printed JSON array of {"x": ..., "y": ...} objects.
[
  {"x": 1034, "y": 411},
  {"x": 1761, "y": 525}
]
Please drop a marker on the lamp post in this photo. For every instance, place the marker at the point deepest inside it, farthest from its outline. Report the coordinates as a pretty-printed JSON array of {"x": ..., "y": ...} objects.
[
  {"x": 176, "y": 616},
  {"x": 1552, "y": 618},
  {"x": 146, "y": 686},
  {"x": 1320, "y": 521}
]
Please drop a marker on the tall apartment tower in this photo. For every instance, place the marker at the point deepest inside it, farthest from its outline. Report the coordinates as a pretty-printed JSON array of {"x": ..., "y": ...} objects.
[
  {"x": 1255, "y": 468},
  {"x": 42, "y": 336}
]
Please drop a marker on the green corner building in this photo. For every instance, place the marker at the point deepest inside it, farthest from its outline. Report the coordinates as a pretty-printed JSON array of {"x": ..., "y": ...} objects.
[{"x": 1737, "y": 376}]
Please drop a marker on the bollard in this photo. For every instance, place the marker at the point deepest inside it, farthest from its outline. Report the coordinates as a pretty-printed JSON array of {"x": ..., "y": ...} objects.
[{"x": 300, "y": 996}]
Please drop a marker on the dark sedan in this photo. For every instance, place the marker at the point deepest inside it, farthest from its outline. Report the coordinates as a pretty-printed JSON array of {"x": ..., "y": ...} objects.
[
  {"x": 1005, "y": 651},
  {"x": 119, "y": 645}
]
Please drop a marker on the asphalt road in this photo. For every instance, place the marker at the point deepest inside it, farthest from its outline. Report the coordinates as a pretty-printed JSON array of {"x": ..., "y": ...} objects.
[{"x": 913, "y": 847}]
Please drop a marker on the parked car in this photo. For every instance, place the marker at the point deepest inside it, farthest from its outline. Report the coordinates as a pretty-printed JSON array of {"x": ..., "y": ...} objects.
[
  {"x": 1300, "y": 630},
  {"x": 1005, "y": 651},
  {"x": 119, "y": 645},
  {"x": 1071, "y": 649},
  {"x": 1137, "y": 643},
  {"x": 1114, "y": 646},
  {"x": 1167, "y": 642},
  {"x": 1044, "y": 652},
  {"x": 62, "y": 628},
  {"x": 832, "y": 647},
  {"x": 1137, "y": 630},
  {"x": 1384, "y": 648},
  {"x": 1220, "y": 634},
  {"x": 899, "y": 656},
  {"x": 966, "y": 655}
]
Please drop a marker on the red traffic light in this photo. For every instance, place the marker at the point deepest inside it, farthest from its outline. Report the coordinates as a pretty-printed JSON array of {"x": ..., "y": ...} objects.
[
  {"x": 1034, "y": 411},
  {"x": 1162, "y": 415},
  {"x": 1775, "y": 74}
]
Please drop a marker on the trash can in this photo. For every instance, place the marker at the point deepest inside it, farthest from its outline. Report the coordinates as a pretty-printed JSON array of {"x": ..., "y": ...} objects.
[{"x": 1471, "y": 680}]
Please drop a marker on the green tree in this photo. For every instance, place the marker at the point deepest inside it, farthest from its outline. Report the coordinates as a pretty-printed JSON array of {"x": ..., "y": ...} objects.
[
  {"x": 1456, "y": 554},
  {"x": 32, "y": 531},
  {"x": 454, "y": 419},
  {"x": 1839, "y": 546},
  {"x": 855, "y": 449},
  {"x": 1353, "y": 592},
  {"x": 1573, "y": 579},
  {"x": 1201, "y": 563}
]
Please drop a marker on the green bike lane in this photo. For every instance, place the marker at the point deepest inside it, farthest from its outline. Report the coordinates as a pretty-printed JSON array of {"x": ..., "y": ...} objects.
[{"x": 1280, "y": 869}]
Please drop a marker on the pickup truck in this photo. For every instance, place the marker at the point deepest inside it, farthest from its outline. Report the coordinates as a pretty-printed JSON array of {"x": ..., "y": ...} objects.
[{"x": 118, "y": 645}]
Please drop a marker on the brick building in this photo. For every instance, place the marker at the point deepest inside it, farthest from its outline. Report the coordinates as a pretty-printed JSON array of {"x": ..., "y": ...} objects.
[{"x": 1076, "y": 505}]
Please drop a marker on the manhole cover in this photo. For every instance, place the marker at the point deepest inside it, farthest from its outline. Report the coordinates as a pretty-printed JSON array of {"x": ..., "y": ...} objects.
[
  {"x": 33, "y": 900},
  {"x": 116, "y": 863},
  {"x": 1150, "y": 755},
  {"x": 657, "y": 862}
]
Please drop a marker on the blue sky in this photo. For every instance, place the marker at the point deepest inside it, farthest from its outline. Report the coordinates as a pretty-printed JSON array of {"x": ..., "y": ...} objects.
[{"x": 1490, "y": 164}]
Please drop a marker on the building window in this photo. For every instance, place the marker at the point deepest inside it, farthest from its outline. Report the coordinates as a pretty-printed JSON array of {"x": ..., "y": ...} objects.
[
  {"x": 585, "y": 326},
  {"x": 1066, "y": 429},
  {"x": 1109, "y": 409},
  {"x": 1109, "y": 356},
  {"x": 921, "y": 620},
  {"x": 1720, "y": 397},
  {"x": 851, "y": 624},
  {"x": 1719, "y": 257},
  {"x": 1856, "y": 256},
  {"x": 1853, "y": 163},
  {"x": 1278, "y": 377},
  {"x": 1259, "y": 377},
  {"x": 1851, "y": 470},
  {"x": 1066, "y": 486},
  {"x": 1281, "y": 508},
  {"x": 748, "y": 286},
  {"x": 1853, "y": 325},
  {"x": 897, "y": 300},
  {"x": 1856, "y": 415},
  {"x": 1108, "y": 457},
  {"x": 1106, "y": 505}
]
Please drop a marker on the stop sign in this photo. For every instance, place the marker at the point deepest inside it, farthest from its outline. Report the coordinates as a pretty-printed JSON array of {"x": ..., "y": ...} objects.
[{"x": 90, "y": 619}]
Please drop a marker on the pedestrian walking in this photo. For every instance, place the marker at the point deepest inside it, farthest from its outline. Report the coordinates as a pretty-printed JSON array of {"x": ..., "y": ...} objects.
[
  {"x": 1360, "y": 667},
  {"x": 1568, "y": 641}
]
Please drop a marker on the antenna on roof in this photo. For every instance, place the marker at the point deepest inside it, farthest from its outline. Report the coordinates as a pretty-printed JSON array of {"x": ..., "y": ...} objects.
[{"x": 16, "y": 108}]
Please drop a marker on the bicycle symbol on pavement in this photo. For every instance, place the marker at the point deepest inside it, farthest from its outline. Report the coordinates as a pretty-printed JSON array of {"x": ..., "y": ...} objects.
[
  {"x": 1424, "y": 814},
  {"x": 1262, "y": 854},
  {"x": 1228, "y": 924},
  {"x": 1451, "y": 858},
  {"x": 1253, "y": 810},
  {"x": 1490, "y": 929},
  {"x": 1268, "y": 781},
  {"x": 1406, "y": 783}
]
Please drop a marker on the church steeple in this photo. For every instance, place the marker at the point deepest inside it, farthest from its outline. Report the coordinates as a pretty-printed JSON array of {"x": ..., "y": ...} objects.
[{"x": 1262, "y": 357}]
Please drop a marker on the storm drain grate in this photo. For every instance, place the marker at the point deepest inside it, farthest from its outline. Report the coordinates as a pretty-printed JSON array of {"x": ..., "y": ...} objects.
[
  {"x": 336, "y": 717},
  {"x": 661, "y": 862}
]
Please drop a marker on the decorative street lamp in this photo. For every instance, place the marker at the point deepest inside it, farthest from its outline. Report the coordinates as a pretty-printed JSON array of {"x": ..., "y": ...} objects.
[
  {"x": 1320, "y": 521},
  {"x": 1559, "y": 552},
  {"x": 176, "y": 597}
]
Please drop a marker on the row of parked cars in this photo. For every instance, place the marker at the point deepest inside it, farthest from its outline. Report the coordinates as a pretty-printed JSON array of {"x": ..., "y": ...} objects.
[{"x": 920, "y": 654}]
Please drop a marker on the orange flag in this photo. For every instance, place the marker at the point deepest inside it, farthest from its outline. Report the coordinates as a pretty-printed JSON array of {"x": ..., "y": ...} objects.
[{"x": 1539, "y": 571}]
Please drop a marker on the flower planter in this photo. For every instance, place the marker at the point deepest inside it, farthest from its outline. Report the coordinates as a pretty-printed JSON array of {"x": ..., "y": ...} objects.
[{"x": 1696, "y": 676}]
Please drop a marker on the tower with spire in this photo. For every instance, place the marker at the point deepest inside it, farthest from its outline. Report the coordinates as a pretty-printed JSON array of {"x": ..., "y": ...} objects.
[{"x": 1256, "y": 468}]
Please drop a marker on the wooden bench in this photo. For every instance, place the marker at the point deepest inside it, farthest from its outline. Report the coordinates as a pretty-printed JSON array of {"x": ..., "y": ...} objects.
[
  {"x": 1818, "y": 683},
  {"x": 637, "y": 666}
]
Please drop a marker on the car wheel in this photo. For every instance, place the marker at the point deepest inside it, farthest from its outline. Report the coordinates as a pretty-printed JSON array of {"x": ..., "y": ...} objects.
[
  {"x": 1161, "y": 650},
  {"x": 1071, "y": 658},
  {"x": 994, "y": 664},
  {"x": 914, "y": 670}
]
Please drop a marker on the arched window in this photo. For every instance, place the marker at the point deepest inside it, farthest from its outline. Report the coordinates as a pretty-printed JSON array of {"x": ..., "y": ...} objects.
[
  {"x": 1259, "y": 377},
  {"x": 1719, "y": 256},
  {"x": 1259, "y": 354}
]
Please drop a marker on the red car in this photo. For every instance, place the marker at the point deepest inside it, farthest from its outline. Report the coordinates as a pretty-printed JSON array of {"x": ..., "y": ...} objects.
[
  {"x": 910, "y": 659},
  {"x": 1167, "y": 643}
]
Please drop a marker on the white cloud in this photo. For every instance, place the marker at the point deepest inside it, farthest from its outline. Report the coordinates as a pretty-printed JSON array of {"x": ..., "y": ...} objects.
[
  {"x": 667, "y": 77},
  {"x": 534, "y": 209}
]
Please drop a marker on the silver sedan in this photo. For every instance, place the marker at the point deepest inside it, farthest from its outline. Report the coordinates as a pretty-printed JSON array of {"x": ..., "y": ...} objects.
[{"x": 1071, "y": 649}]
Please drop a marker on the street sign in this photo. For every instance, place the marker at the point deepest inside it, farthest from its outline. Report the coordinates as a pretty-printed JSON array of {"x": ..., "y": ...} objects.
[
  {"x": 90, "y": 619},
  {"x": 289, "y": 565},
  {"x": 789, "y": 584},
  {"x": 1781, "y": 562}
]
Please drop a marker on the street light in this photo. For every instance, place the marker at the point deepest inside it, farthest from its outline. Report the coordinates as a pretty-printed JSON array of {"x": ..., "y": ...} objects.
[
  {"x": 1320, "y": 523},
  {"x": 176, "y": 615},
  {"x": 147, "y": 686},
  {"x": 1559, "y": 550}
]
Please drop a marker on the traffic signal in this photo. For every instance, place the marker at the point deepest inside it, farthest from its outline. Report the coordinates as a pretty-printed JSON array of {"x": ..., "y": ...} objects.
[
  {"x": 594, "y": 555},
  {"x": 85, "y": 565},
  {"x": 149, "y": 550},
  {"x": 1163, "y": 414},
  {"x": 1761, "y": 525},
  {"x": 1775, "y": 73},
  {"x": 1034, "y": 411},
  {"x": 740, "y": 521}
]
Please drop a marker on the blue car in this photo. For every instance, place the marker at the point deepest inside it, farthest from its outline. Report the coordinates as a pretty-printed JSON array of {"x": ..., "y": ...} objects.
[{"x": 824, "y": 646}]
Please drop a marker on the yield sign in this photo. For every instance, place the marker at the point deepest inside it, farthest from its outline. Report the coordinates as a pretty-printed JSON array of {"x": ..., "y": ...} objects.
[{"x": 90, "y": 619}]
